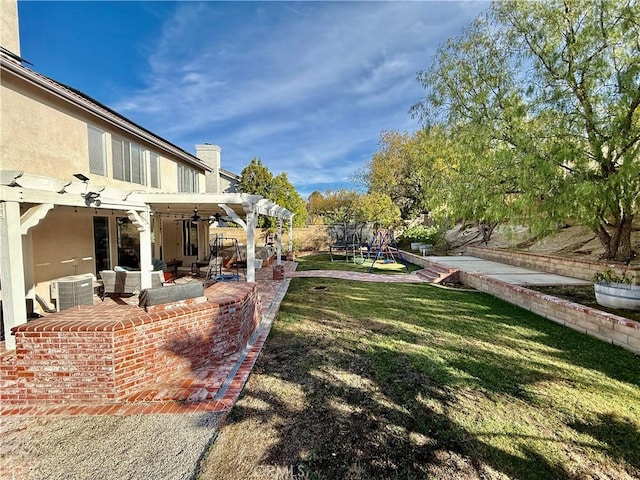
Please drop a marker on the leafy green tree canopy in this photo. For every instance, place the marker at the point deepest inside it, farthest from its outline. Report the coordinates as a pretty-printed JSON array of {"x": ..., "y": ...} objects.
[
  {"x": 546, "y": 95},
  {"x": 335, "y": 206},
  {"x": 315, "y": 211},
  {"x": 285, "y": 195},
  {"x": 397, "y": 171},
  {"x": 348, "y": 206},
  {"x": 378, "y": 208},
  {"x": 257, "y": 179}
]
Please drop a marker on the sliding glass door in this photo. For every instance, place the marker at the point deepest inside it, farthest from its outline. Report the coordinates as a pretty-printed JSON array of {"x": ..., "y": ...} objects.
[
  {"x": 128, "y": 243},
  {"x": 101, "y": 243}
]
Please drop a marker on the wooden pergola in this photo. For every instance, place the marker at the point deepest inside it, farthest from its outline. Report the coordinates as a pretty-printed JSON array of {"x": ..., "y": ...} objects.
[{"x": 40, "y": 194}]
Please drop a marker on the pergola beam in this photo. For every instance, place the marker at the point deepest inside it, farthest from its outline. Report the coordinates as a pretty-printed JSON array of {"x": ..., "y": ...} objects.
[
  {"x": 67, "y": 199},
  {"x": 233, "y": 215}
]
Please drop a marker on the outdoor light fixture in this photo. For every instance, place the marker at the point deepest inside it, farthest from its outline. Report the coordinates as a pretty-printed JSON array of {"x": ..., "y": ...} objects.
[
  {"x": 92, "y": 197},
  {"x": 81, "y": 177},
  {"x": 89, "y": 197}
]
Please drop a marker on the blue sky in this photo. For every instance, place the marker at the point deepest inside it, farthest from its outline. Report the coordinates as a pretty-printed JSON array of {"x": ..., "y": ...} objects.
[{"x": 306, "y": 86}]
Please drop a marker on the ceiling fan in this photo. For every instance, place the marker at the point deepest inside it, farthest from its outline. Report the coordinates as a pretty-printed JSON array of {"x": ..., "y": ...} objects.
[{"x": 196, "y": 217}]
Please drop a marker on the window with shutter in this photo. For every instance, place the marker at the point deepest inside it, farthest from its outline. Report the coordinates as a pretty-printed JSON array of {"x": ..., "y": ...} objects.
[
  {"x": 97, "y": 150},
  {"x": 138, "y": 165},
  {"x": 126, "y": 156},
  {"x": 187, "y": 180},
  {"x": 154, "y": 171},
  {"x": 117, "y": 158}
]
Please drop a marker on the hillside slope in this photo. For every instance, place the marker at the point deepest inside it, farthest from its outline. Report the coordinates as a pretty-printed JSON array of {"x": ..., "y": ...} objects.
[{"x": 573, "y": 241}]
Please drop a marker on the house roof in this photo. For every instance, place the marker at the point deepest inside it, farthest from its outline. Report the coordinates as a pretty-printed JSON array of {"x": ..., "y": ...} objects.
[
  {"x": 228, "y": 174},
  {"x": 88, "y": 104}
]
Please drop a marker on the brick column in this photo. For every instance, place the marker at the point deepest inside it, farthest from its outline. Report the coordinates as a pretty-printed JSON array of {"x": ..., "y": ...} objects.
[{"x": 278, "y": 272}]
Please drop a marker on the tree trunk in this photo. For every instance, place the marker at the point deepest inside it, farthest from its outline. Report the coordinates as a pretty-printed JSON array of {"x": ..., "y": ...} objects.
[
  {"x": 617, "y": 245},
  {"x": 604, "y": 238},
  {"x": 625, "y": 253},
  {"x": 486, "y": 229}
]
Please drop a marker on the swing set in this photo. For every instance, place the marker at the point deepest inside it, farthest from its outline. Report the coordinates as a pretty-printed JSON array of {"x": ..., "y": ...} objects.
[
  {"x": 383, "y": 248},
  {"x": 355, "y": 241}
]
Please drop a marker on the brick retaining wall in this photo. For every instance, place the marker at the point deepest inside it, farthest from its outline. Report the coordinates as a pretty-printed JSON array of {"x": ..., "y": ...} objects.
[
  {"x": 570, "y": 267},
  {"x": 416, "y": 259},
  {"x": 605, "y": 326},
  {"x": 105, "y": 353}
]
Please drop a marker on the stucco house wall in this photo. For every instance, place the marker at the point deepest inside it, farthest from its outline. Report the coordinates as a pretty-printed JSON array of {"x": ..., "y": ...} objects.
[
  {"x": 9, "y": 37},
  {"x": 50, "y": 139},
  {"x": 45, "y": 135},
  {"x": 229, "y": 181}
]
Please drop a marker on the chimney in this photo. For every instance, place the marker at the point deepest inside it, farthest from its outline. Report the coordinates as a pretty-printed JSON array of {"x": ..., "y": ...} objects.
[
  {"x": 210, "y": 154},
  {"x": 9, "y": 30}
]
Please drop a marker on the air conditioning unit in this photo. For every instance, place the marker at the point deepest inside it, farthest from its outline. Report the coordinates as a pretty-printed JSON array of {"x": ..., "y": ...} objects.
[{"x": 72, "y": 291}]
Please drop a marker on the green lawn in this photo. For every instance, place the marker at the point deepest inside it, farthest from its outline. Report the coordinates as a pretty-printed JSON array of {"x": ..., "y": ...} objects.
[{"x": 410, "y": 381}]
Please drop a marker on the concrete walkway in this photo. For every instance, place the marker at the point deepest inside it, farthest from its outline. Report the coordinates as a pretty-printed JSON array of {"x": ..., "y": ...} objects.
[
  {"x": 499, "y": 271},
  {"x": 505, "y": 273}
]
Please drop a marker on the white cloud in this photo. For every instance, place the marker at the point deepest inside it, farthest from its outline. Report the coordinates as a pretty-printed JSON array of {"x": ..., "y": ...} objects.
[{"x": 306, "y": 86}]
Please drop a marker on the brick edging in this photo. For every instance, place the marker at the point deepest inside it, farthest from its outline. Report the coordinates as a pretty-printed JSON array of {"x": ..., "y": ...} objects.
[{"x": 596, "y": 323}]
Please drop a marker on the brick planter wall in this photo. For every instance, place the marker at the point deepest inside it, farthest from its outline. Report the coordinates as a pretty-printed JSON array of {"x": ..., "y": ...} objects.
[
  {"x": 570, "y": 267},
  {"x": 105, "y": 353},
  {"x": 605, "y": 326},
  {"x": 416, "y": 259}
]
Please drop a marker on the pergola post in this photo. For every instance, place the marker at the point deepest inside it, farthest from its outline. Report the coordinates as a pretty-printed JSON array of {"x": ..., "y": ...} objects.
[
  {"x": 252, "y": 222},
  {"x": 28, "y": 265},
  {"x": 14, "y": 308},
  {"x": 142, "y": 221},
  {"x": 146, "y": 264},
  {"x": 279, "y": 242},
  {"x": 290, "y": 250}
]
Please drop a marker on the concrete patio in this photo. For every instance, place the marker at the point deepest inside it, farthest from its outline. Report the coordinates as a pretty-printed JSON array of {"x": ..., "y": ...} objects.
[{"x": 505, "y": 273}]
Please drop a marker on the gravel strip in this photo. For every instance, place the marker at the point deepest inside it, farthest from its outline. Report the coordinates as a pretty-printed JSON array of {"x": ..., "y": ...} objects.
[{"x": 134, "y": 447}]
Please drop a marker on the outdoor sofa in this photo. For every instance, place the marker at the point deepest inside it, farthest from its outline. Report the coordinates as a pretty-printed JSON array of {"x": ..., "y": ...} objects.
[{"x": 126, "y": 282}]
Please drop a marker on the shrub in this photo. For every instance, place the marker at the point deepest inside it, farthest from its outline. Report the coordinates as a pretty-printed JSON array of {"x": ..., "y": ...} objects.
[
  {"x": 421, "y": 234},
  {"x": 610, "y": 276}
]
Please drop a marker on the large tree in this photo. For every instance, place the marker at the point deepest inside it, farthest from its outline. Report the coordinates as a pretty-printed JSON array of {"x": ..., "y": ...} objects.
[
  {"x": 397, "y": 170},
  {"x": 348, "y": 206},
  {"x": 465, "y": 179},
  {"x": 256, "y": 178},
  {"x": 315, "y": 206},
  {"x": 335, "y": 206},
  {"x": 378, "y": 208},
  {"x": 547, "y": 95},
  {"x": 285, "y": 195}
]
